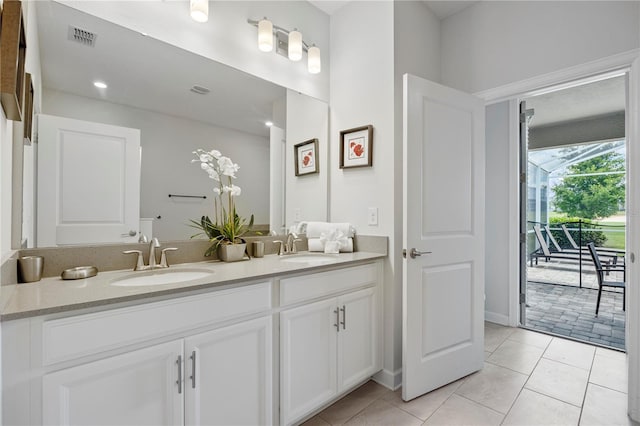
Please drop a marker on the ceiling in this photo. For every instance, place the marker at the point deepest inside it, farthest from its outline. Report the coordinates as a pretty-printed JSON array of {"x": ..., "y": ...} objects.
[
  {"x": 587, "y": 100},
  {"x": 136, "y": 66},
  {"x": 442, "y": 9},
  {"x": 329, "y": 6}
]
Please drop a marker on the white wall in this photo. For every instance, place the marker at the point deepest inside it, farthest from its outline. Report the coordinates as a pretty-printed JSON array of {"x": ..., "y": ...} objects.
[
  {"x": 417, "y": 52},
  {"x": 167, "y": 145},
  {"x": 497, "y": 214},
  {"x": 493, "y": 43},
  {"x": 362, "y": 92},
  {"x": 227, "y": 37},
  {"x": 307, "y": 118}
]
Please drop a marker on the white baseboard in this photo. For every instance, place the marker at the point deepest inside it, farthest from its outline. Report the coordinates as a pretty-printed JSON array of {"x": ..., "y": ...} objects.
[
  {"x": 388, "y": 379},
  {"x": 496, "y": 318}
]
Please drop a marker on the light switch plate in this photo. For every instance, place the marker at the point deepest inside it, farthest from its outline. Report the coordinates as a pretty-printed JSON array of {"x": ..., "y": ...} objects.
[
  {"x": 296, "y": 215},
  {"x": 373, "y": 216}
]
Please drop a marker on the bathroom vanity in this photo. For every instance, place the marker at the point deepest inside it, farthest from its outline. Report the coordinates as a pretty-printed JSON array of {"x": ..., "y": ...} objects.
[{"x": 266, "y": 341}]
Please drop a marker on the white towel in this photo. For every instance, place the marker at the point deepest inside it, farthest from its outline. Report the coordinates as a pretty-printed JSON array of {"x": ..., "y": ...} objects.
[
  {"x": 316, "y": 229},
  {"x": 316, "y": 245}
]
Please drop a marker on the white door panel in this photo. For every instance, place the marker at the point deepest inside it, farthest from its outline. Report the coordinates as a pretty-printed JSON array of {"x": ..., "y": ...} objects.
[
  {"x": 308, "y": 362},
  {"x": 443, "y": 289},
  {"x": 88, "y": 182},
  {"x": 137, "y": 388},
  {"x": 228, "y": 375}
]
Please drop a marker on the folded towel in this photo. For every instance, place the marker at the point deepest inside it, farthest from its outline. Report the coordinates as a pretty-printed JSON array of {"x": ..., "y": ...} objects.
[
  {"x": 316, "y": 245},
  {"x": 316, "y": 229}
]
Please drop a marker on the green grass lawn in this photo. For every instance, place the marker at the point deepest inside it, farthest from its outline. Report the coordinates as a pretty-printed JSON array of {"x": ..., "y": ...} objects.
[{"x": 615, "y": 234}]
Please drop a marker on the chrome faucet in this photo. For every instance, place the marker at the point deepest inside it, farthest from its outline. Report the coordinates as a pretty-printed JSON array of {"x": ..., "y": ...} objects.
[
  {"x": 288, "y": 247},
  {"x": 153, "y": 245}
]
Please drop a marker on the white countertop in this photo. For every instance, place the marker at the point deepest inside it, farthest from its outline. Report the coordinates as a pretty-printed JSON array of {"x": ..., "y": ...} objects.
[{"x": 52, "y": 295}]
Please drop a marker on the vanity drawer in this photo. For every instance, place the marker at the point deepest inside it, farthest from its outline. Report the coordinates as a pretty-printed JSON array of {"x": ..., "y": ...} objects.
[
  {"x": 307, "y": 287},
  {"x": 68, "y": 338}
]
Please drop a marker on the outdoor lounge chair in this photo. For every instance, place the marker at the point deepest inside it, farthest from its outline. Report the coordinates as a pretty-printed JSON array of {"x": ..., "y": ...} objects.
[
  {"x": 545, "y": 253},
  {"x": 574, "y": 245},
  {"x": 600, "y": 271},
  {"x": 611, "y": 255}
]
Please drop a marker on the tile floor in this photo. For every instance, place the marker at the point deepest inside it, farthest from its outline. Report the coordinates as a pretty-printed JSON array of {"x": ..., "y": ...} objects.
[{"x": 528, "y": 379}]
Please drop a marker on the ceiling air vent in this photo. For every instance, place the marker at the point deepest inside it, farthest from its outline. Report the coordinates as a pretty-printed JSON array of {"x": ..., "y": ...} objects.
[
  {"x": 200, "y": 90},
  {"x": 81, "y": 36}
]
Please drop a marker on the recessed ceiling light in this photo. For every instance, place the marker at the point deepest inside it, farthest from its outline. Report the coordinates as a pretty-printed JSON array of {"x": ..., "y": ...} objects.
[
  {"x": 268, "y": 123},
  {"x": 100, "y": 84},
  {"x": 200, "y": 90}
]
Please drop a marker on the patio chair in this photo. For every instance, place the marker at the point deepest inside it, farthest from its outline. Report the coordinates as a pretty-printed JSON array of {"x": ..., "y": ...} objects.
[
  {"x": 574, "y": 245},
  {"x": 600, "y": 271},
  {"x": 610, "y": 255},
  {"x": 545, "y": 253}
]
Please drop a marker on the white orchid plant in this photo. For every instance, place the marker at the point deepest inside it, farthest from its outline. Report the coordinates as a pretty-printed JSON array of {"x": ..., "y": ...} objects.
[{"x": 226, "y": 227}]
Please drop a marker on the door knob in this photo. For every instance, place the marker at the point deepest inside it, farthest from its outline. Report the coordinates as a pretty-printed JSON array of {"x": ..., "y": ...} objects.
[
  {"x": 413, "y": 253},
  {"x": 131, "y": 233}
]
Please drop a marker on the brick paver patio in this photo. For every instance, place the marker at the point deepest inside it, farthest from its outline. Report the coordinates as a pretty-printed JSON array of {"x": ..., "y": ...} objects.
[{"x": 567, "y": 310}]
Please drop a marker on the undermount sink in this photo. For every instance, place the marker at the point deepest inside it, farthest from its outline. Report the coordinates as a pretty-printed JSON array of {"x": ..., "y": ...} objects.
[
  {"x": 314, "y": 259},
  {"x": 160, "y": 277}
]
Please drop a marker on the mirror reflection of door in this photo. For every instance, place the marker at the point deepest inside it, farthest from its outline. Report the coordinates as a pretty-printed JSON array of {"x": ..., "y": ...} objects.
[{"x": 88, "y": 182}]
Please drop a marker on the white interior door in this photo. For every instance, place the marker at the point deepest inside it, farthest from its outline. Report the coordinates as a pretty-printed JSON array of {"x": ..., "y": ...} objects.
[
  {"x": 88, "y": 182},
  {"x": 443, "y": 273}
]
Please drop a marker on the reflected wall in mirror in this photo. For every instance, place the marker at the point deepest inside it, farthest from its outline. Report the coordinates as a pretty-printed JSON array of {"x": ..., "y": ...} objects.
[{"x": 151, "y": 87}]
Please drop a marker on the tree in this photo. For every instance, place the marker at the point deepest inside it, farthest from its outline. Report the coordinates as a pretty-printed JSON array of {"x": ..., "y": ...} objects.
[{"x": 595, "y": 196}]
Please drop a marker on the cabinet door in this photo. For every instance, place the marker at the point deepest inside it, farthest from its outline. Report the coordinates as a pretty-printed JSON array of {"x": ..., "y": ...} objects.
[
  {"x": 308, "y": 340},
  {"x": 229, "y": 375},
  {"x": 136, "y": 388},
  {"x": 359, "y": 343}
]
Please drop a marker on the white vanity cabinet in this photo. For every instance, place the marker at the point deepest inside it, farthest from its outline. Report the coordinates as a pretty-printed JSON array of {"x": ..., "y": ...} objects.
[
  {"x": 139, "y": 387},
  {"x": 330, "y": 345},
  {"x": 270, "y": 350},
  {"x": 199, "y": 359},
  {"x": 220, "y": 377},
  {"x": 228, "y": 375}
]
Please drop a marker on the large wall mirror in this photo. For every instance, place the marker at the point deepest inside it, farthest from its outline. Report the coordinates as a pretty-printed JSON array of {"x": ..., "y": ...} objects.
[{"x": 180, "y": 102}]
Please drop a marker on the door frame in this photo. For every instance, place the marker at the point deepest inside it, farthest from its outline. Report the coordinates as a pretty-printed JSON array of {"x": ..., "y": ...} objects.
[{"x": 629, "y": 61}]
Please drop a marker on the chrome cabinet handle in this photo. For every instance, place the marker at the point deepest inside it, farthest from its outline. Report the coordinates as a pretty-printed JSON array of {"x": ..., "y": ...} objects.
[
  {"x": 193, "y": 369},
  {"x": 337, "y": 324},
  {"x": 344, "y": 317},
  {"x": 413, "y": 253},
  {"x": 179, "y": 381}
]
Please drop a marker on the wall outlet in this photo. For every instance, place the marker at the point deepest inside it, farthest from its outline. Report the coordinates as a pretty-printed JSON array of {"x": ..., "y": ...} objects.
[
  {"x": 296, "y": 215},
  {"x": 372, "y": 216}
]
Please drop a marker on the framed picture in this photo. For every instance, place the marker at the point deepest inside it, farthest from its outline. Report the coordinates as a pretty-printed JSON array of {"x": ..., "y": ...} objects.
[
  {"x": 306, "y": 157},
  {"x": 27, "y": 115},
  {"x": 13, "y": 47},
  {"x": 356, "y": 147}
]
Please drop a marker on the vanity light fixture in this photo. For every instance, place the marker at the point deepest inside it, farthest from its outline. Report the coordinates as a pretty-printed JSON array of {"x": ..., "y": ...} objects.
[
  {"x": 313, "y": 63},
  {"x": 100, "y": 84},
  {"x": 265, "y": 35},
  {"x": 199, "y": 10},
  {"x": 295, "y": 45},
  {"x": 287, "y": 43}
]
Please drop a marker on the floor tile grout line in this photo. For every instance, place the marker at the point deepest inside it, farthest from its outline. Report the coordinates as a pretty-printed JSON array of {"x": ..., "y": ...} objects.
[
  {"x": 584, "y": 397},
  {"x": 525, "y": 382},
  {"x": 477, "y": 403}
]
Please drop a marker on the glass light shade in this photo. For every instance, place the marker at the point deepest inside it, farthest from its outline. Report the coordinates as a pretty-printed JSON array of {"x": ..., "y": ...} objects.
[
  {"x": 313, "y": 63},
  {"x": 295, "y": 45},
  {"x": 265, "y": 35},
  {"x": 200, "y": 10}
]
